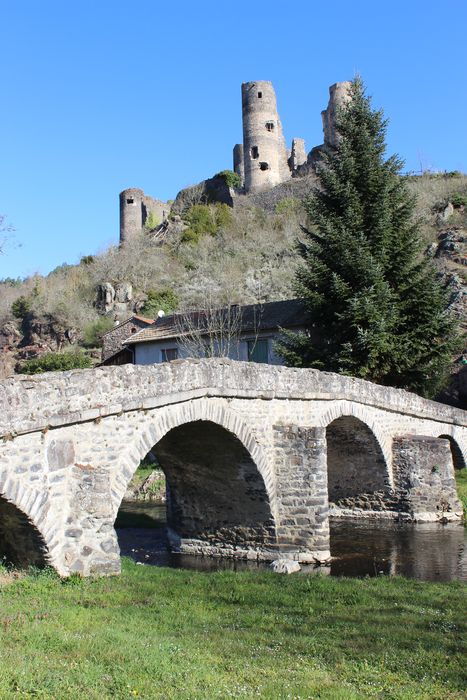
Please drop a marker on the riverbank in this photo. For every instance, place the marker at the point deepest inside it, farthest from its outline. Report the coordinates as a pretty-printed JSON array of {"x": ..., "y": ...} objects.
[{"x": 176, "y": 634}]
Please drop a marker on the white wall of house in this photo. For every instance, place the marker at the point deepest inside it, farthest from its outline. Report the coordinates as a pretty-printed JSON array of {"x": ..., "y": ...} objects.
[{"x": 248, "y": 347}]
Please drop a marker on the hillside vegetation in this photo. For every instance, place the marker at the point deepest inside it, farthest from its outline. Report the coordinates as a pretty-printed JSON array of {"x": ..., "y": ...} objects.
[{"x": 209, "y": 253}]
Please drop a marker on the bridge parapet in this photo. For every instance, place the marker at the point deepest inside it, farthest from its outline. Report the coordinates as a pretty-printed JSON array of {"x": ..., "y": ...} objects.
[{"x": 29, "y": 404}]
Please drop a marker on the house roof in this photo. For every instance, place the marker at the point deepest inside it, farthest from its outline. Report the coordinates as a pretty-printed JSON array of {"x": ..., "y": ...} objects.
[
  {"x": 251, "y": 318},
  {"x": 141, "y": 319}
]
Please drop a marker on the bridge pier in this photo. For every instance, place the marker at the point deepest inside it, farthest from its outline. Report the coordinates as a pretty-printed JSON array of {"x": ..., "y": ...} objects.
[
  {"x": 302, "y": 493},
  {"x": 424, "y": 478}
]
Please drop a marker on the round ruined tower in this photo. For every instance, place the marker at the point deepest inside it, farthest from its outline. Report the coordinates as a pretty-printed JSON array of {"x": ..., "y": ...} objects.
[
  {"x": 339, "y": 96},
  {"x": 265, "y": 155},
  {"x": 131, "y": 213}
]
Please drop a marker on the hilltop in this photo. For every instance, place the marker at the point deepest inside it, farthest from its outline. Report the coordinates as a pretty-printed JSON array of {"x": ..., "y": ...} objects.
[{"x": 207, "y": 253}]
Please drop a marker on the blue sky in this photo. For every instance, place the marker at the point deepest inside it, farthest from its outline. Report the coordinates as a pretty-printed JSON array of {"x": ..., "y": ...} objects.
[{"x": 98, "y": 96}]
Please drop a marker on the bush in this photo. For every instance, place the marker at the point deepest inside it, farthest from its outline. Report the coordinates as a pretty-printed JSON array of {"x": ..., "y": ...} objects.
[
  {"x": 232, "y": 179},
  {"x": 55, "y": 362},
  {"x": 94, "y": 332},
  {"x": 206, "y": 219},
  {"x": 288, "y": 205},
  {"x": 458, "y": 199},
  {"x": 151, "y": 222},
  {"x": 21, "y": 307},
  {"x": 87, "y": 260},
  {"x": 166, "y": 299}
]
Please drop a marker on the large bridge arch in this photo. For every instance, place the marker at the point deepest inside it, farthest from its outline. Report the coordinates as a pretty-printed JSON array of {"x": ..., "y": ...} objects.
[
  {"x": 221, "y": 485},
  {"x": 157, "y": 424}
]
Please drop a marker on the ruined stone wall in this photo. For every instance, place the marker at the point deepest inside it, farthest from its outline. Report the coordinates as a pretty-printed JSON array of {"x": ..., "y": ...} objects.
[
  {"x": 338, "y": 98},
  {"x": 135, "y": 208},
  {"x": 238, "y": 161}
]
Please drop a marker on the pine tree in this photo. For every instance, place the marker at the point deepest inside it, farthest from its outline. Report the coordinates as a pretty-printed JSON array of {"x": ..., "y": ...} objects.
[{"x": 377, "y": 308}]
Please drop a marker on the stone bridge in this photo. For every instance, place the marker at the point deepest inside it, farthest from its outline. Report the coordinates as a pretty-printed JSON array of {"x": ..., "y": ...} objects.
[{"x": 256, "y": 458}]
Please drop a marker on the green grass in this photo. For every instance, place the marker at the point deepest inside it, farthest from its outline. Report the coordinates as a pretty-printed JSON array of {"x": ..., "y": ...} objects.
[
  {"x": 175, "y": 634},
  {"x": 461, "y": 485}
]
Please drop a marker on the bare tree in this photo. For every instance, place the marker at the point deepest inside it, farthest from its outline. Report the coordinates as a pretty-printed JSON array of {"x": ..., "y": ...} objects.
[{"x": 215, "y": 331}]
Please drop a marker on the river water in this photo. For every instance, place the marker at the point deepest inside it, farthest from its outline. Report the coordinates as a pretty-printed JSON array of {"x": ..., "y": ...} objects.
[{"x": 424, "y": 551}]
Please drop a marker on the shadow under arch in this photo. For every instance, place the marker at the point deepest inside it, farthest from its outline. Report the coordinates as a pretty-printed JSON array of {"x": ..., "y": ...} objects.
[
  {"x": 176, "y": 416},
  {"x": 215, "y": 492},
  {"x": 21, "y": 543},
  {"x": 458, "y": 459},
  {"x": 219, "y": 481},
  {"x": 357, "y": 469}
]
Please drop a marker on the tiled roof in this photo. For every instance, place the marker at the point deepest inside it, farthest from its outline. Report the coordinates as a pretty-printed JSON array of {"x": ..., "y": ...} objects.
[
  {"x": 251, "y": 318},
  {"x": 142, "y": 319}
]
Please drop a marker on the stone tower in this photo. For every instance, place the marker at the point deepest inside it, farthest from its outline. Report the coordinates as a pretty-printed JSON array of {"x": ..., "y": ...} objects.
[
  {"x": 338, "y": 96},
  {"x": 135, "y": 207},
  {"x": 264, "y": 152},
  {"x": 238, "y": 162}
]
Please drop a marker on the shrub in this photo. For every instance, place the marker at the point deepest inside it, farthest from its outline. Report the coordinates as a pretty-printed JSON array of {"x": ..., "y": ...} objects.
[
  {"x": 166, "y": 299},
  {"x": 458, "y": 199},
  {"x": 232, "y": 179},
  {"x": 288, "y": 205},
  {"x": 151, "y": 222},
  {"x": 55, "y": 361},
  {"x": 94, "y": 331},
  {"x": 87, "y": 260},
  {"x": 205, "y": 219},
  {"x": 21, "y": 307}
]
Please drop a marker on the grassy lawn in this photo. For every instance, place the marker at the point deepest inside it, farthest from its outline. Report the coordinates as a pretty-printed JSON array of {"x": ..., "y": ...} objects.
[{"x": 164, "y": 633}]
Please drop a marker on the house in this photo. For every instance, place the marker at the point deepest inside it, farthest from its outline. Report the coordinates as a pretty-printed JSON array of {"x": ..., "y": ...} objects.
[
  {"x": 113, "y": 352},
  {"x": 240, "y": 332}
]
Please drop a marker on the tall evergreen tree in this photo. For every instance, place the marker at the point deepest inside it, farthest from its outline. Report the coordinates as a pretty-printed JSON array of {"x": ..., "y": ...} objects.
[{"x": 377, "y": 308}]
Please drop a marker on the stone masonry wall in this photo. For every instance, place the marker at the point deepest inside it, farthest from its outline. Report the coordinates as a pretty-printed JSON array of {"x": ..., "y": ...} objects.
[
  {"x": 424, "y": 477},
  {"x": 72, "y": 441},
  {"x": 302, "y": 498}
]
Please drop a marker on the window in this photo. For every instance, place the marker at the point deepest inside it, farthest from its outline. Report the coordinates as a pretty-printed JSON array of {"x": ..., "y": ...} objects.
[
  {"x": 130, "y": 201},
  {"x": 264, "y": 166},
  {"x": 260, "y": 94},
  {"x": 169, "y": 354},
  {"x": 254, "y": 152},
  {"x": 270, "y": 126},
  {"x": 258, "y": 350}
]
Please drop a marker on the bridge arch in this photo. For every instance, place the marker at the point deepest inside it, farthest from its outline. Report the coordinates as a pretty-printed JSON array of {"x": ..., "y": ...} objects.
[
  {"x": 221, "y": 485},
  {"x": 22, "y": 541},
  {"x": 365, "y": 416},
  {"x": 157, "y": 425},
  {"x": 458, "y": 458}
]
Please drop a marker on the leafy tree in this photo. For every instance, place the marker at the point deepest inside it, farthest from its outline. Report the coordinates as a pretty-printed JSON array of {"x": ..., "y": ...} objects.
[
  {"x": 21, "y": 307},
  {"x": 377, "y": 308},
  {"x": 94, "y": 331},
  {"x": 55, "y": 361}
]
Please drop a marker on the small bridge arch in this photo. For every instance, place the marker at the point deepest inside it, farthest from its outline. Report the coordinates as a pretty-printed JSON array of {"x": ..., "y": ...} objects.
[{"x": 22, "y": 541}]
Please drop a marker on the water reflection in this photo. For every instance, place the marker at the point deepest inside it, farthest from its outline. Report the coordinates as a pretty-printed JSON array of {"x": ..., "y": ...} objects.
[{"x": 425, "y": 551}]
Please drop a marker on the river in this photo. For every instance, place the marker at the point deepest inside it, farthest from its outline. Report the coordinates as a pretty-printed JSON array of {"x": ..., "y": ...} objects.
[{"x": 424, "y": 551}]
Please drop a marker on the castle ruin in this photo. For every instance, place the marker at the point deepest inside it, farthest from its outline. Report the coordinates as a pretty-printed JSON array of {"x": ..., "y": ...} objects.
[{"x": 262, "y": 161}]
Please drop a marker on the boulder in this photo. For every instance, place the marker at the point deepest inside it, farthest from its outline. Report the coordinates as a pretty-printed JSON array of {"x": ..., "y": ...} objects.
[{"x": 285, "y": 566}]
